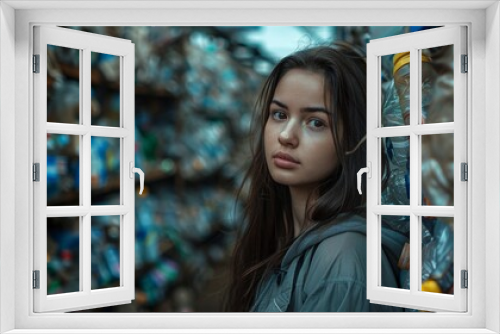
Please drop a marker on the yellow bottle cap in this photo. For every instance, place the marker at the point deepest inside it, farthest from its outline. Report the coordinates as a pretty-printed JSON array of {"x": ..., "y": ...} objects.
[
  {"x": 403, "y": 58},
  {"x": 431, "y": 286}
]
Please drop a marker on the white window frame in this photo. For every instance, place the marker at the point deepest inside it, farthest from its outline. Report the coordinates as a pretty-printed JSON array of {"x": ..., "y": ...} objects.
[{"x": 483, "y": 21}]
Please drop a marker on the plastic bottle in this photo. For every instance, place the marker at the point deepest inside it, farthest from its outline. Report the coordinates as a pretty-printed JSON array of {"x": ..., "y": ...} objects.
[{"x": 401, "y": 73}]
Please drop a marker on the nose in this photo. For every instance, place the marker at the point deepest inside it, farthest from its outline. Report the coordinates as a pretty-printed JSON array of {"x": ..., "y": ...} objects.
[{"x": 288, "y": 135}]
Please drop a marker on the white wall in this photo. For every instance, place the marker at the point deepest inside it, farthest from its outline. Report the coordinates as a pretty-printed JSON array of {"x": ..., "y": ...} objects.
[
  {"x": 7, "y": 158},
  {"x": 492, "y": 155},
  {"x": 488, "y": 106}
]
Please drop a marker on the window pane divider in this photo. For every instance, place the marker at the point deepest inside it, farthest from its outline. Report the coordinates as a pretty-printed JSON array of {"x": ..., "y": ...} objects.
[
  {"x": 67, "y": 211},
  {"x": 108, "y": 131},
  {"x": 67, "y": 129},
  {"x": 419, "y": 210},
  {"x": 86, "y": 255},
  {"x": 393, "y": 131},
  {"x": 109, "y": 210},
  {"x": 81, "y": 130},
  {"x": 434, "y": 211},
  {"x": 421, "y": 129},
  {"x": 433, "y": 129},
  {"x": 415, "y": 170},
  {"x": 80, "y": 211},
  {"x": 395, "y": 210}
]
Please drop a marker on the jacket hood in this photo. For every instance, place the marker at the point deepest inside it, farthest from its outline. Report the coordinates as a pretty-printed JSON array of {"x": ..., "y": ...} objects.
[{"x": 392, "y": 241}]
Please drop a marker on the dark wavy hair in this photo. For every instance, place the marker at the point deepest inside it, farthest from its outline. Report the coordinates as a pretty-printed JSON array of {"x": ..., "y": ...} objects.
[{"x": 268, "y": 232}]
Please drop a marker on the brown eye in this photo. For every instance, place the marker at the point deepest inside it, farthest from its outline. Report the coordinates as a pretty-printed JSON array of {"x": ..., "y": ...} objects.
[
  {"x": 278, "y": 115},
  {"x": 316, "y": 123}
]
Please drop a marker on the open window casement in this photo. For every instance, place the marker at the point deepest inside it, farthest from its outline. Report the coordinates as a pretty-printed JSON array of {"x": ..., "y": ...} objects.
[
  {"x": 63, "y": 152},
  {"x": 417, "y": 124}
]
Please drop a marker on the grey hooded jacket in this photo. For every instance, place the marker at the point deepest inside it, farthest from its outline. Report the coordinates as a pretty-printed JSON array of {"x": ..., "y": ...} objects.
[{"x": 325, "y": 271}]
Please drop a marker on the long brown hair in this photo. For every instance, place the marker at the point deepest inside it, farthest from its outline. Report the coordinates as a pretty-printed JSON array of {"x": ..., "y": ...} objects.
[{"x": 267, "y": 231}]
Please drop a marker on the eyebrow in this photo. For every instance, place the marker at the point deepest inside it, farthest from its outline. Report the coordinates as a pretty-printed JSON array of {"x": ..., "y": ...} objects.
[{"x": 306, "y": 109}]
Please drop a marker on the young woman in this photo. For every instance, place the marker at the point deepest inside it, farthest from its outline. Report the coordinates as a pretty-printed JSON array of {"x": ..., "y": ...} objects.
[{"x": 303, "y": 246}]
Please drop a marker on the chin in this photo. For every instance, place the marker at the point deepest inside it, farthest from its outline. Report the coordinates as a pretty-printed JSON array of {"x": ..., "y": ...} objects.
[
  {"x": 281, "y": 179},
  {"x": 286, "y": 180}
]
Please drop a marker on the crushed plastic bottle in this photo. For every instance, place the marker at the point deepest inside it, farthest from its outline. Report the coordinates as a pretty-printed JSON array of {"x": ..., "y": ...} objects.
[{"x": 401, "y": 72}]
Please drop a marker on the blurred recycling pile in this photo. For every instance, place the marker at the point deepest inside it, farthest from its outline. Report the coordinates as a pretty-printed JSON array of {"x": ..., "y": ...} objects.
[{"x": 194, "y": 96}]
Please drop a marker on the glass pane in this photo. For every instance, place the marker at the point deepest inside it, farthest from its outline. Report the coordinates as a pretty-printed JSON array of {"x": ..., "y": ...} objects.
[
  {"x": 437, "y": 84},
  {"x": 105, "y": 248},
  {"x": 437, "y": 254},
  {"x": 105, "y": 155},
  {"x": 395, "y": 171},
  {"x": 63, "y": 255},
  {"x": 63, "y": 85},
  {"x": 63, "y": 170},
  {"x": 105, "y": 90},
  {"x": 401, "y": 253},
  {"x": 395, "y": 83},
  {"x": 437, "y": 169}
]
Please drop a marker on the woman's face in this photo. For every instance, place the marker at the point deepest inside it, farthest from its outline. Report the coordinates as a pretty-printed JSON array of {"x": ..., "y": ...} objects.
[{"x": 298, "y": 137}]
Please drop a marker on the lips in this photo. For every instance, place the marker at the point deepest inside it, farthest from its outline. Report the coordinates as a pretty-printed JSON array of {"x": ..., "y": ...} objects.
[
  {"x": 285, "y": 161},
  {"x": 284, "y": 156}
]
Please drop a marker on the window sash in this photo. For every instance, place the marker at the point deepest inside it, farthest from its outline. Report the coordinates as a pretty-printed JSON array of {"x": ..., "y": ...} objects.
[
  {"x": 85, "y": 298},
  {"x": 414, "y": 42}
]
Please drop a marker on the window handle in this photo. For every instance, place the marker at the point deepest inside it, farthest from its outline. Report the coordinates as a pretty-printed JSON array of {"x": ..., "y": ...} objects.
[
  {"x": 368, "y": 171},
  {"x": 138, "y": 171}
]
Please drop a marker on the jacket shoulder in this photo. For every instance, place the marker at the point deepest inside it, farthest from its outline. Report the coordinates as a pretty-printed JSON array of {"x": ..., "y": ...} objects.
[{"x": 338, "y": 258}]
